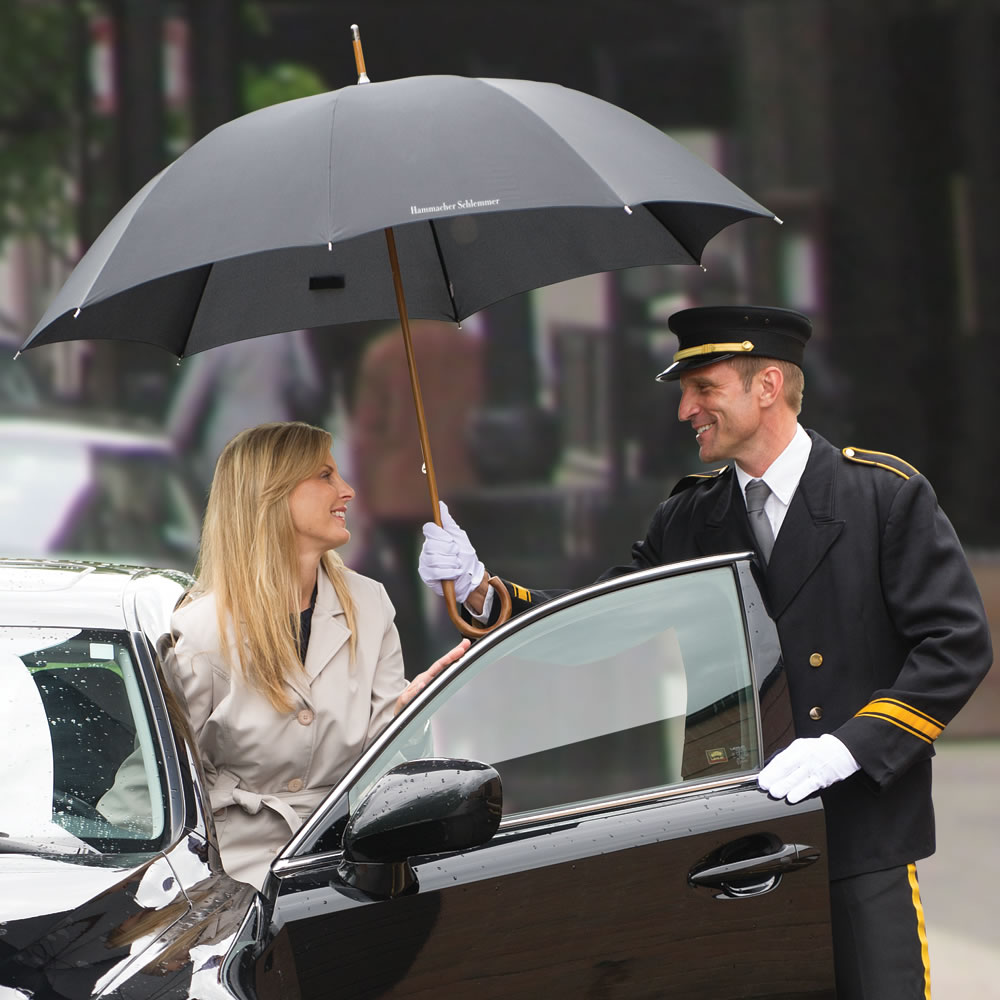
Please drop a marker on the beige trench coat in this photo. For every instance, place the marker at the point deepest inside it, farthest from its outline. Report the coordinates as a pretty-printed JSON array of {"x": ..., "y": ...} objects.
[{"x": 266, "y": 772}]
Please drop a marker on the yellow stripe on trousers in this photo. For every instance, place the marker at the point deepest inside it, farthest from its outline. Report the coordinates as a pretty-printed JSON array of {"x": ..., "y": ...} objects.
[{"x": 911, "y": 871}]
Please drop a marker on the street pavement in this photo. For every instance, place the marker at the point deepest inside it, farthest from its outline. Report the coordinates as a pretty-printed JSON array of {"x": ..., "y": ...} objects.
[{"x": 958, "y": 885}]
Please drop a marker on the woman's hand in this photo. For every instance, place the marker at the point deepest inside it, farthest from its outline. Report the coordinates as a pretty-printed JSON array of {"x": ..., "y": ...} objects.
[{"x": 422, "y": 680}]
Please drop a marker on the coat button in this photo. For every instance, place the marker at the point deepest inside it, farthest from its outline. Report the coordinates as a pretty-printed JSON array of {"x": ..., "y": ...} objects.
[
  {"x": 815, "y": 713},
  {"x": 816, "y": 660},
  {"x": 295, "y": 785},
  {"x": 306, "y": 717}
]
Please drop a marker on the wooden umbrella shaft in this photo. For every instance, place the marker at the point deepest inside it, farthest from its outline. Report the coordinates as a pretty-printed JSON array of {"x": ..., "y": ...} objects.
[
  {"x": 448, "y": 586},
  {"x": 411, "y": 361}
]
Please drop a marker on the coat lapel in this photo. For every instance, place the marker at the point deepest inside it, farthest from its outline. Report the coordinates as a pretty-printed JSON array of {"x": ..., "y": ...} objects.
[
  {"x": 329, "y": 629},
  {"x": 809, "y": 528},
  {"x": 726, "y": 528}
]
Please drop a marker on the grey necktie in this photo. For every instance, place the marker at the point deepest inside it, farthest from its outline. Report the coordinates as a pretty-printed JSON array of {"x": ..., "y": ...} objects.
[{"x": 757, "y": 493}]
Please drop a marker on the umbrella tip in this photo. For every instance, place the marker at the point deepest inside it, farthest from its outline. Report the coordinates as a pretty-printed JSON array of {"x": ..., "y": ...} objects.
[
  {"x": 16, "y": 356},
  {"x": 779, "y": 221},
  {"x": 628, "y": 210},
  {"x": 77, "y": 313},
  {"x": 359, "y": 56}
]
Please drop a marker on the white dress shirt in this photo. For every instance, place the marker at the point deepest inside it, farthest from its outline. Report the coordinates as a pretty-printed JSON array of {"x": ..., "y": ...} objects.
[{"x": 782, "y": 477}]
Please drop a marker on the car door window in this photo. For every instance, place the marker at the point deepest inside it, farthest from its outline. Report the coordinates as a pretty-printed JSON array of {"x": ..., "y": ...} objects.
[{"x": 645, "y": 686}]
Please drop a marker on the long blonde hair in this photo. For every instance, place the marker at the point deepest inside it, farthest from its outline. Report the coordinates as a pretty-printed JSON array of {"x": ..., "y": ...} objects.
[{"x": 248, "y": 554}]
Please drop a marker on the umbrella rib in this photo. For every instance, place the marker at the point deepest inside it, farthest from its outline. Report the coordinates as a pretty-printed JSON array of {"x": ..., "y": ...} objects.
[
  {"x": 329, "y": 178},
  {"x": 181, "y": 354},
  {"x": 695, "y": 258},
  {"x": 444, "y": 270}
]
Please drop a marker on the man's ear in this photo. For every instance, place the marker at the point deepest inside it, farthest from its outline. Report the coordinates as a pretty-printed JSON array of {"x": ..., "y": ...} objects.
[{"x": 772, "y": 381}]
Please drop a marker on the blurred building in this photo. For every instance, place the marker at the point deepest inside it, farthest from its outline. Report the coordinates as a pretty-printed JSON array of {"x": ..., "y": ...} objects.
[{"x": 868, "y": 128}]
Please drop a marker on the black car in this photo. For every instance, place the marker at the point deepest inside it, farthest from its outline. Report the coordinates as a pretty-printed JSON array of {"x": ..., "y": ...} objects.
[{"x": 571, "y": 811}]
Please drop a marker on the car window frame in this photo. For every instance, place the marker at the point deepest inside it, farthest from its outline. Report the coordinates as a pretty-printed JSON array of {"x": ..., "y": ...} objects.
[
  {"x": 169, "y": 757},
  {"x": 763, "y": 650},
  {"x": 182, "y": 808}
]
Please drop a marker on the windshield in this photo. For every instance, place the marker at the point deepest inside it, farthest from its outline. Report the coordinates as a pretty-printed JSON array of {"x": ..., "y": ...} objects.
[{"x": 81, "y": 774}]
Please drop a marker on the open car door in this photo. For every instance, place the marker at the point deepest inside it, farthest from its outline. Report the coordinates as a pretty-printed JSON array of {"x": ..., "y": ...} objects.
[{"x": 635, "y": 855}]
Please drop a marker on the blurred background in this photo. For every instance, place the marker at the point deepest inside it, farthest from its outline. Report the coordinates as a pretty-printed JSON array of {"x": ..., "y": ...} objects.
[{"x": 868, "y": 128}]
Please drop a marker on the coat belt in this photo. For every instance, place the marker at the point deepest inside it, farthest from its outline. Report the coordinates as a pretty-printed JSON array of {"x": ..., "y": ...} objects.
[{"x": 227, "y": 792}]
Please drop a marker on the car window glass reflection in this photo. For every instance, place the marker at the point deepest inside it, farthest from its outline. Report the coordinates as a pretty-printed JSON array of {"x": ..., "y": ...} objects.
[
  {"x": 75, "y": 696},
  {"x": 642, "y": 687}
]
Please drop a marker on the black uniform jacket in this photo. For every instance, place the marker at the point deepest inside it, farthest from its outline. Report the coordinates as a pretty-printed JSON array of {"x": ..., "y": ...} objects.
[{"x": 882, "y": 629}]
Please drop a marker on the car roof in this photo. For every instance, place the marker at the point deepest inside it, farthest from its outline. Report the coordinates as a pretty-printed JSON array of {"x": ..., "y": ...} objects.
[{"x": 59, "y": 592}]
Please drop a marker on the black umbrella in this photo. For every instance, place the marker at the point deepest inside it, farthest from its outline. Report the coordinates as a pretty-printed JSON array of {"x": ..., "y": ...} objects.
[{"x": 474, "y": 189}]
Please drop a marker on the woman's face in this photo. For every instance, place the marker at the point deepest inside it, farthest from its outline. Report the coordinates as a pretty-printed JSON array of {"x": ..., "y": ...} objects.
[{"x": 319, "y": 509}]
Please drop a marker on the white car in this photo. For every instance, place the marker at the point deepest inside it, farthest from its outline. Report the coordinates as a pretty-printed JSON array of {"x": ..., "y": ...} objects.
[{"x": 85, "y": 490}]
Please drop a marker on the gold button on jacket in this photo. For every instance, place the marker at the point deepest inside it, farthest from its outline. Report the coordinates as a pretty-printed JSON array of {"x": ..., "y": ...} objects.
[
  {"x": 815, "y": 713},
  {"x": 816, "y": 660}
]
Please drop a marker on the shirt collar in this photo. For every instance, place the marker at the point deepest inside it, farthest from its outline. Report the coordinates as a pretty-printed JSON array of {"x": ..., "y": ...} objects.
[{"x": 783, "y": 474}]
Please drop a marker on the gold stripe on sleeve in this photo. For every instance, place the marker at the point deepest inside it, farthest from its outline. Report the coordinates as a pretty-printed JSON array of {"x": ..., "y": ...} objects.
[
  {"x": 521, "y": 594},
  {"x": 900, "y": 714}
]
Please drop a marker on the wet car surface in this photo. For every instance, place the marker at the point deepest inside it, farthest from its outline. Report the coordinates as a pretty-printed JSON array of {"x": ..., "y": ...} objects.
[{"x": 571, "y": 811}]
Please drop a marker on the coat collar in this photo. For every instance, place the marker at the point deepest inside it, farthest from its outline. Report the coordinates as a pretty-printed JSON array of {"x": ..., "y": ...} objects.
[
  {"x": 329, "y": 633},
  {"x": 726, "y": 528}
]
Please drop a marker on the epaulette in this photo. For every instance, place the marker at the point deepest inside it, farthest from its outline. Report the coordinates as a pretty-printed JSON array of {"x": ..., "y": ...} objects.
[
  {"x": 697, "y": 479},
  {"x": 882, "y": 460}
]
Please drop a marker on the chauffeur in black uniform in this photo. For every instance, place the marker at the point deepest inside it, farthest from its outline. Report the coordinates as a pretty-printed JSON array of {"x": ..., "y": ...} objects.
[{"x": 882, "y": 628}]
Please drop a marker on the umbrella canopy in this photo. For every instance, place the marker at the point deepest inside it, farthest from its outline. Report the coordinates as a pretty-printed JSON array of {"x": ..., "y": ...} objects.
[
  {"x": 473, "y": 189},
  {"x": 274, "y": 221}
]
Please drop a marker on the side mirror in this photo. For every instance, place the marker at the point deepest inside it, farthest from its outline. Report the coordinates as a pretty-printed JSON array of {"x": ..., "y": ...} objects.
[{"x": 420, "y": 807}]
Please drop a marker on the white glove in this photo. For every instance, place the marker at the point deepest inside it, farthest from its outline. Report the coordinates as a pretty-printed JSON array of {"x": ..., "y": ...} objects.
[
  {"x": 806, "y": 766},
  {"x": 447, "y": 554}
]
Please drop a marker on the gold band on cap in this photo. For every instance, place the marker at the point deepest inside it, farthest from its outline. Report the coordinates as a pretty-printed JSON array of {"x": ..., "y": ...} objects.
[{"x": 691, "y": 352}]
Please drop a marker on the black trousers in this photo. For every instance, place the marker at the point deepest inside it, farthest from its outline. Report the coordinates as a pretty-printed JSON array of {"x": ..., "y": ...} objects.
[{"x": 879, "y": 940}]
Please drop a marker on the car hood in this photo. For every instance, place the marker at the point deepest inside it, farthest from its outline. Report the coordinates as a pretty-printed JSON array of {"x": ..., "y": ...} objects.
[
  {"x": 77, "y": 920},
  {"x": 133, "y": 926},
  {"x": 36, "y": 886}
]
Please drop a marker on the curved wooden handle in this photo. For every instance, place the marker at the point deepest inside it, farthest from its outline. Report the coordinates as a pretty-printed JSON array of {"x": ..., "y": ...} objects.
[{"x": 475, "y": 631}]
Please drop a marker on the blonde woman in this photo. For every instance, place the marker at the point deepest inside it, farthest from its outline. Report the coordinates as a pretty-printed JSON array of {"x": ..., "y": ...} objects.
[{"x": 289, "y": 663}]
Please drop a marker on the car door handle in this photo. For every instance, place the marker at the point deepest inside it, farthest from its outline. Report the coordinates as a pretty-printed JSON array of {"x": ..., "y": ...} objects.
[{"x": 755, "y": 875}]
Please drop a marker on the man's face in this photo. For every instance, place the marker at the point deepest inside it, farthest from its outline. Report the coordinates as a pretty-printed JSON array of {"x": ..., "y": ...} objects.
[{"x": 724, "y": 417}]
